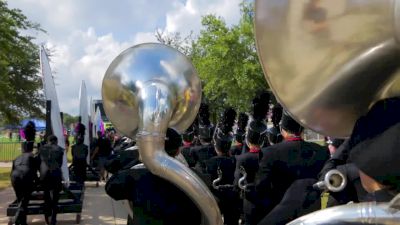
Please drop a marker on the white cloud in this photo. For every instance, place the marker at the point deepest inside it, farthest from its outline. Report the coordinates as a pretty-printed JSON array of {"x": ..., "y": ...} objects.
[
  {"x": 144, "y": 37},
  {"x": 186, "y": 16},
  {"x": 87, "y": 35}
]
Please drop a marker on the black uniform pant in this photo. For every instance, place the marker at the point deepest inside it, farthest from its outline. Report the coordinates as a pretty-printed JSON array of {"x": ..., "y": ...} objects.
[
  {"x": 23, "y": 193},
  {"x": 253, "y": 211},
  {"x": 80, "y": 171},
  {"x": 300, "y": 199},
  {"x": 51, "y": 197},
  {"x": 229, "y": 203}
]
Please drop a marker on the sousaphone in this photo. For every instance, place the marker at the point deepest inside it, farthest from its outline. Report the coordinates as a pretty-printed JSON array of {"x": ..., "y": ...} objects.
[
  {"x": 146, "y": 89},
  {"x": 328, "y": 62}
]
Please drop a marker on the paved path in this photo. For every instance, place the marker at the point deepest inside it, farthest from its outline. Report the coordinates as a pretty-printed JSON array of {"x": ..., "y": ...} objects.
[
  {"x": 6, "y": 164},
  {"x": 98, "y": 209}
]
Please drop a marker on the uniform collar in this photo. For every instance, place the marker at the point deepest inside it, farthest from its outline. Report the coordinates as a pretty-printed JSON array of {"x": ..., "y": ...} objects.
[
  {"x": 255, "y": 150},
  {"x": 296, "y": 138}
]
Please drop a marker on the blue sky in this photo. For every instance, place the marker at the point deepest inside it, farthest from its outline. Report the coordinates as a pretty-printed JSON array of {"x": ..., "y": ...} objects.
[{"x": 86, "y": 35}]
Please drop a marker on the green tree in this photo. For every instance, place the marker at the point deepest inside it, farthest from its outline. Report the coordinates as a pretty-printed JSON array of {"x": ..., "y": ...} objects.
[
  {"x": 68, "y": 119},
  {"x": 227, "y": 62},
  {"x": 19, "y": 65},
  {"x": 175, "y": 40}
]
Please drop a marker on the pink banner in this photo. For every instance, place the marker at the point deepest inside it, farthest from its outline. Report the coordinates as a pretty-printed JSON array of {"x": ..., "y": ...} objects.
[{"x": 21, "y": 132}]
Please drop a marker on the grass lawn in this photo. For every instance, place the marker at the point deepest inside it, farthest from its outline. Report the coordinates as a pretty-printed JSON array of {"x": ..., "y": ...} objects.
[
  {"x": 324, "y": 200},
  {"x": 5, "y": 178},
  {"x": 9, "y": 150}
]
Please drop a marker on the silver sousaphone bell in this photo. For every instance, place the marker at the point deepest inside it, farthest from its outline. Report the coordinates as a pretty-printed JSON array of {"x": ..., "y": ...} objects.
[
  {"x": 146, "y": 89},
  {"x": 328, "y": 62}
]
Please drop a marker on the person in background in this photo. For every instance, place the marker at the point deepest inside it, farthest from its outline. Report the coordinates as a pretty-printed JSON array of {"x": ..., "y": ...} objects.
[
  {"x": 67, "y": 143},
  {"x": 206, "y": 149},
  {"x": 51, "y": 159},
  {"x": 103, "y": 151},
  {"x": 79, "y": 152},
  {"x": 274, "y": 135},
  {"x": 333, "y": 144},
  {"x": 368, "y": 159},
  {"x": 188, "y": 138},
  {"x": 153, "y": 199},
  {"x": 24, "y": 179},
  {"x": 286, "y": 162},
  {"x": 240, "y": 133},
  {"x": 30, "y": 133},
  {"x": 223, "y": 165},
  {"x": 249, "y": 161}
]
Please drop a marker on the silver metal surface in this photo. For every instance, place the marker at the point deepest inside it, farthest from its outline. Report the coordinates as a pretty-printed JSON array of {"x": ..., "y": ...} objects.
[
  {"x": 144, "y": 68},
  {"x": 328, "y": 62},
  {"x": 241, "y": 182},
  {"x": 146, "y": 89},
  {"x": 361, "y": 213},
  {"x": 216, "y": 181},
  {"x": 333, "y": 181}
]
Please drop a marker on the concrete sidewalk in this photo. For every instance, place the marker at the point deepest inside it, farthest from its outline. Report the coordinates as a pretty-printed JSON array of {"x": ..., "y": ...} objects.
[
  {"x": 98, "y": 208},
  {"x": 6, "y": 164}
]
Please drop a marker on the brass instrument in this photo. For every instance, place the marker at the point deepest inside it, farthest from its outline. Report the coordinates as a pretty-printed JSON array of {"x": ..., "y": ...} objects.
[
  {"x": 334, "y": 181},
  {"x": 327, "y": 65},
  {"x": 146, "y": 89},
  {"x": 328, "y": 62}
]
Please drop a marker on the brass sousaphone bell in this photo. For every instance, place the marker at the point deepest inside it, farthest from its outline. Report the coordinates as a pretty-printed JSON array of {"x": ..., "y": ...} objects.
[
  {"x": 146, "y": 89},
  {"x": 328, "y": 62}
]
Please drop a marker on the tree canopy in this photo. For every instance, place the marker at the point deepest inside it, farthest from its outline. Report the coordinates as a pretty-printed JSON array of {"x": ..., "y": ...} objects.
[
  {"x": 227, "y": 62},
  {"x": 19, "y": 65},
  {"x": 69, "y": 119}
]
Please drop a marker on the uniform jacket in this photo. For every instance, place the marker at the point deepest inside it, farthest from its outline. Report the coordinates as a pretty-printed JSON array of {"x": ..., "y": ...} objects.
[
  {"x": 250, "y": 162},
  {"x": 284, "y": 163},
  {"x": 186, "y": 151},
  {"x": 227, "y": 166},
  {"x": 200, "y": 154},
  {"x": 51, "y": 159},
  {"x": 79, "y": 152},
  {"x": 154, "y": 200},
  {"x": 24, "y": 169},
  {"x": 236, "y": 149}
]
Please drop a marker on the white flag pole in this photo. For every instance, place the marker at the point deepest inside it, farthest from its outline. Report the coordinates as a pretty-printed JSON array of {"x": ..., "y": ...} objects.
[
  {"x": 51, "y": 94},
  {"x": 83, "y": 113}
]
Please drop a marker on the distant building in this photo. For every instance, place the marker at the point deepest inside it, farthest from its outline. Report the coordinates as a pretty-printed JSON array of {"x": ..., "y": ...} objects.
[{"x": 98, "y": 117}]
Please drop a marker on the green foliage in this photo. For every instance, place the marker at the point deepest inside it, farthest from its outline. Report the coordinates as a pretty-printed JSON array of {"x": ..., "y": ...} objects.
[
  {"x": 19, "y": 65},
  {"x": 68, "y": 119},
  {"x": 175, "y": 40},
  {"x": 5, "y": 178},
  {"x": 227, "y": 62}
]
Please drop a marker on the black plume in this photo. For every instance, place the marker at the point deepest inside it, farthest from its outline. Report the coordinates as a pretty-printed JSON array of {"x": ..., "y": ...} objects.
[
  {"x": 242, "y": 121},
  {"x": 276, "y": 114},
  {"x": 241, "y": 127},
  {"x": 261, "y": 106},
  {"x": 189, "y": 133},
  {"x": 206, "y": 130},
  {"x": 30, "y": 131},
  {"x": 227, "y": 120},
  {"x": 80, "y": 130},
  {"x": 257, "y": 129},
  {"x": 204, "y": 115}
]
